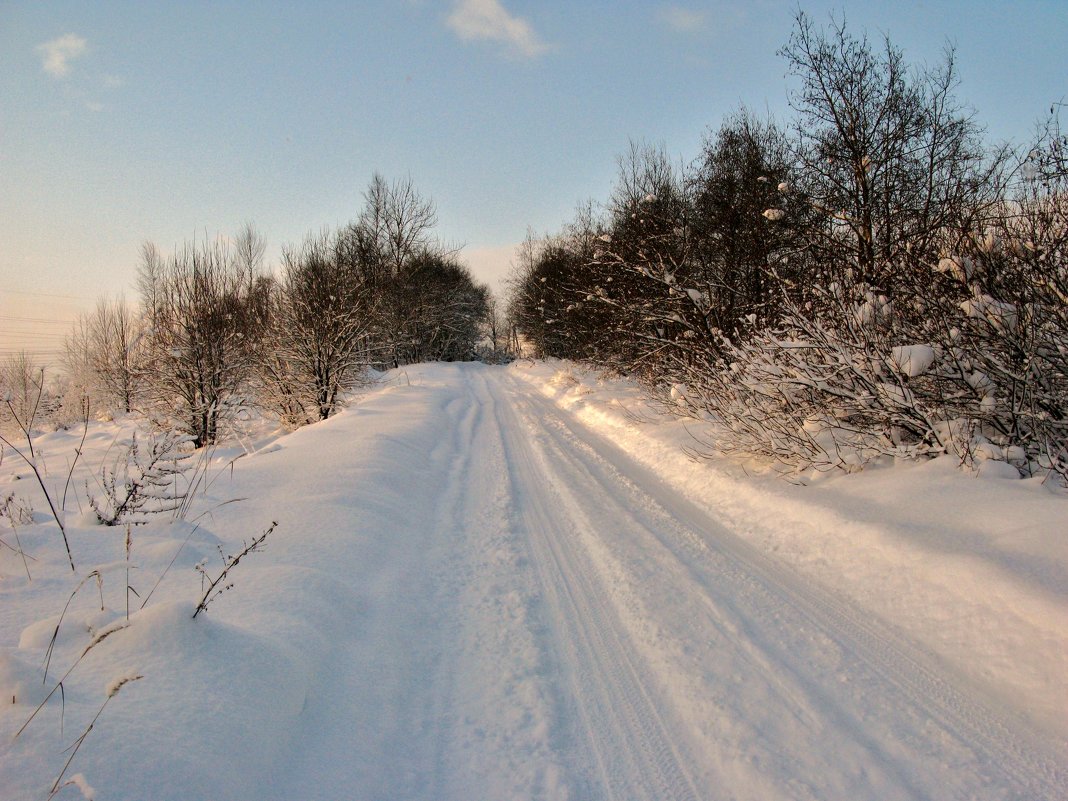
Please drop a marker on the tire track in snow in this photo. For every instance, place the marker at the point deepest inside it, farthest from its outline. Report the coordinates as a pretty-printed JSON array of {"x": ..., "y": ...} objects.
[
  {"x": 490, "y": 716},
  {"x": 923, "y": 708},
  {"x": 621, "y": 735},
  {"x": 439, "y": 721},
  {"x": 743, "y": 640}
]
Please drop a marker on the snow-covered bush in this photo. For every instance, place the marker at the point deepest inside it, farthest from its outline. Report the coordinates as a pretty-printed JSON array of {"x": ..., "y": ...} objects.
[
  {"x": 1015, "y": 320},
  {"x": 825, "y": 390},
  {"x": 148, "y": 478},
  {"x": 851, "y": 375}
]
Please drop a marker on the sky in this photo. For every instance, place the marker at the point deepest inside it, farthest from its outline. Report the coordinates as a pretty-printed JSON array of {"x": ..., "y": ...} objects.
[{"x": 122, "y": 123}]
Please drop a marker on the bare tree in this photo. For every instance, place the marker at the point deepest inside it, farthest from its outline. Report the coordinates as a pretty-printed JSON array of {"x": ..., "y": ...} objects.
[
  {"x": 546, "y": 307},
  {"x": 200, "y": 339},
  {"x": 496, "y": 327},
  {"x": 866, "y": 286},
  {"x": 249, "y": 248},
  {"x": 22, "y": 393},
  {"x": 397, "y": 221},
  {"x": 317, "y": 345},
  {"x": 105, "y": 353},
  {"x": 149, "y": 277},
  {"x": 639, "y": 266},
  {"x": 393, "y": 233},
  {"x": 745, "y": 219},
  {"x": 886, "y": 154}
]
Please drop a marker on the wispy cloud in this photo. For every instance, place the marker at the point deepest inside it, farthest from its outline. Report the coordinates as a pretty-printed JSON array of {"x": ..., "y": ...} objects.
[
  {"x": 488, "y": 20},
  {"x": 57, "y": 54},
  {"x": 683, "y": 20}
]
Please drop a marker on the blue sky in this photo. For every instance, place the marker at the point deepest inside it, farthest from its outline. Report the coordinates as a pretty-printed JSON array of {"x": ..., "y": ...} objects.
[{"x": 125, "y": 122}]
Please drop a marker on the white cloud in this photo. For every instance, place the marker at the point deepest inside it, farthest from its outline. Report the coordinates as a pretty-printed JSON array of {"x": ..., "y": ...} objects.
[
  {"x": 474, "y": 20},
  {"x": 683, "y": 20},
  {"x": 57, "y": 54}
]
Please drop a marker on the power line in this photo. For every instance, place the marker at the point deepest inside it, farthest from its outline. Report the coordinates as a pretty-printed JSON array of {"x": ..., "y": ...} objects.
[
  {"x": 29, "y": 331},
  {"x": 42, "y": 294},
  {"x": 11, "y": 342},
  {"x": 16, "y": 345},
  {"x": 34, "y": 319},
  {"x": 6, "y": 328}
]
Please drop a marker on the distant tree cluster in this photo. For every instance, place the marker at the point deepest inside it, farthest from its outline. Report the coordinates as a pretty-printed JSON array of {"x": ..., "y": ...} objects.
[
  {"x": 216, "y": 332},
  {"x": 870, "y": 279}
]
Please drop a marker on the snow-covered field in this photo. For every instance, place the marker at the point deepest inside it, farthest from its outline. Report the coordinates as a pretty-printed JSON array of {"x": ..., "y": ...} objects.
[{"x": 511, "y": 582}]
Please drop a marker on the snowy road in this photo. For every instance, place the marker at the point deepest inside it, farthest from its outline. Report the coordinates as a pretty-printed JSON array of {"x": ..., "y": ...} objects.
[
  {"x": 473, "y": 595},
  {"x": 558, "y": 623}
]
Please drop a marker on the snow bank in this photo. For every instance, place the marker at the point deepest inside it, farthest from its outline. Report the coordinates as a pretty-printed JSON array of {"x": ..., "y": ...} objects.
[{"x": 201, "y": 708}]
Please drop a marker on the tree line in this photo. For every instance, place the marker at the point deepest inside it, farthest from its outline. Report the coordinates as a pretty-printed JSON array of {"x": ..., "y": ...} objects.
[
  {"x": 870, "y": 278},
  {"x": 215, "y": 331}
]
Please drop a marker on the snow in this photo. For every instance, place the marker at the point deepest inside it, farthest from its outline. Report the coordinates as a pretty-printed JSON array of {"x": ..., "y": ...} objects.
[
  {"x": 118, "y": 683},
  {"x": 699, "y": 298},
  {"x": 925, "y": 545},
  {"x": 999, "y": 314},
  {"x": 512, "y": 582},
  {"x": 959, "y": 267},
  {"x": 912, "y": 360}
]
